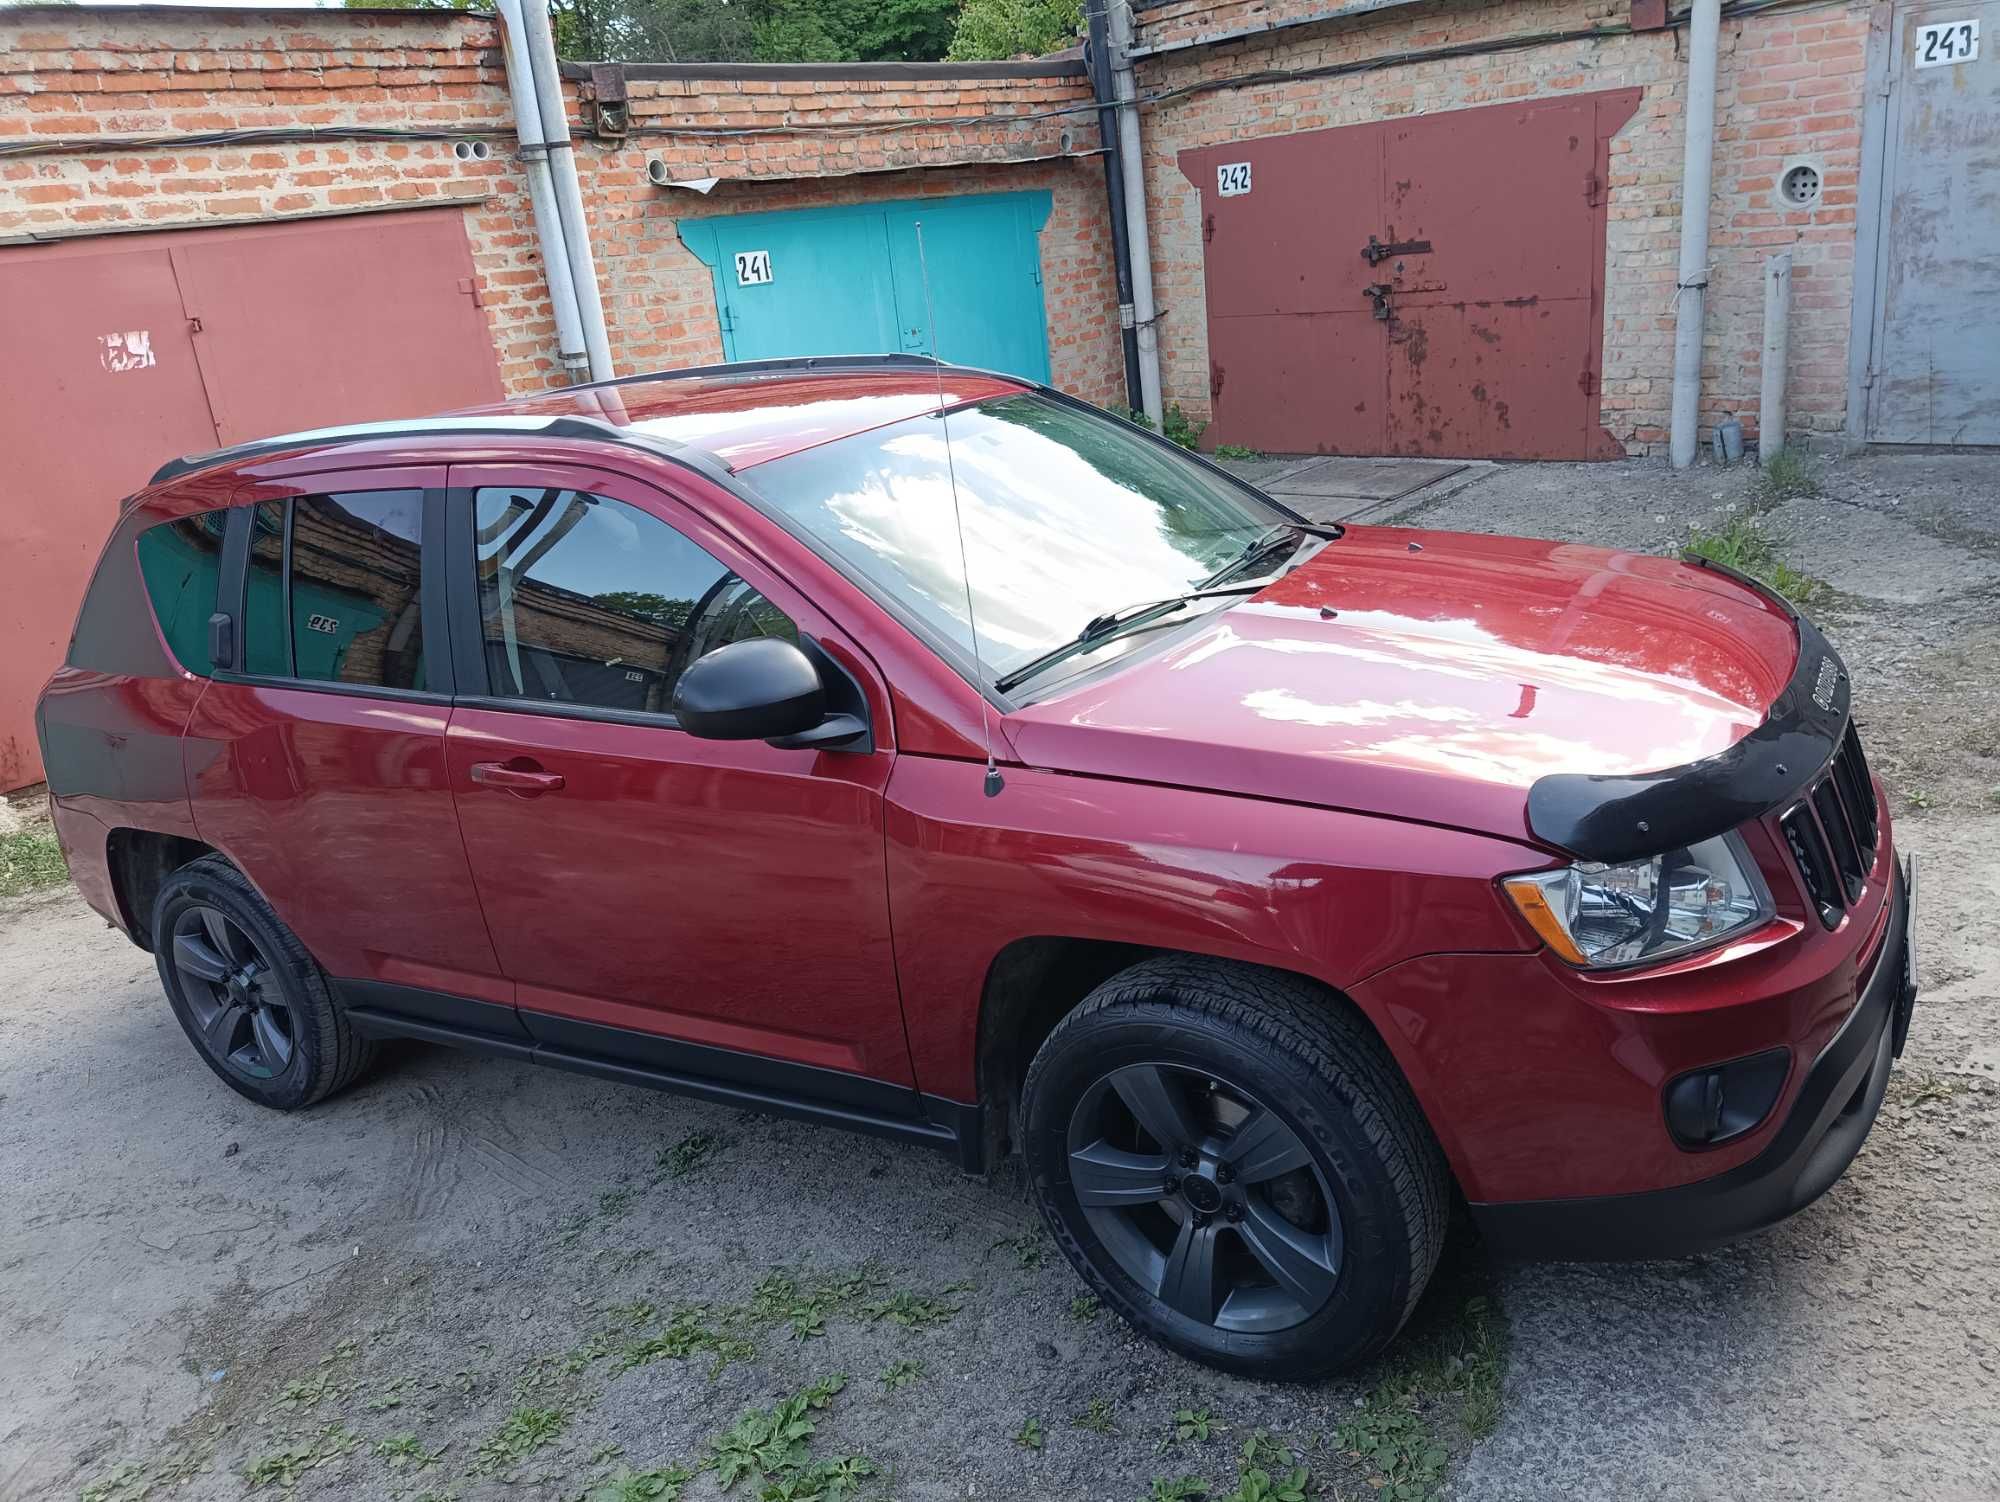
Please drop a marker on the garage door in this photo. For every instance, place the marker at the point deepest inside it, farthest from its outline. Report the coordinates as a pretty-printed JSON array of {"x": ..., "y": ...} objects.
[
  {"x": 120, "y": 352},
  {"x": 1432, "y": 285},
  {"x": 1934, "y": 366},
  {"x": 850, "y": 280}
]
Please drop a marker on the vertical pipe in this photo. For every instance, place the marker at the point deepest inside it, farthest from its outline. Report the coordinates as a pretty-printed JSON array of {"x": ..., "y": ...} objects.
[
  {"x": 569, "y": 197},
  {"x": 542, "y": 195},
  {"x": 1777, "y": 342},
  {"x": 1697, "y": 165},
  {"x": 1114, "y": 190},
  {"x": 1119, "y": 49}
]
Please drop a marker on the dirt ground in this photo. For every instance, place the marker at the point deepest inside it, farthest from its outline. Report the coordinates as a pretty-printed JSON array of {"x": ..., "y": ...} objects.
[{"x": 473, "y": 1278}]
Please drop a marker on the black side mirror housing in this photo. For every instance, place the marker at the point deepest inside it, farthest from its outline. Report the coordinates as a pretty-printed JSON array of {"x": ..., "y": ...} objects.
[{"x": 750, "y": 691}]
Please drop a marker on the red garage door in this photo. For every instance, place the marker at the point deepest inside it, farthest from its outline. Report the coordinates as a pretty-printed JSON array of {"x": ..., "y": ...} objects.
[
  {"x": 120, "y": 352},
  {"x": 1432, "y": 285}
]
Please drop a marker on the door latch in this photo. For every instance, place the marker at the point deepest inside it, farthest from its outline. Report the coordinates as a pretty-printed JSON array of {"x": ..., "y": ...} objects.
[
  {"x": 1375, "y": 252},
  {"x": 1379, "y": 291}
]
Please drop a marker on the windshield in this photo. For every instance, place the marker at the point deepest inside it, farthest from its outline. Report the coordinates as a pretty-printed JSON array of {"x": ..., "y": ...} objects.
[{"x": 1067, "y": 515}]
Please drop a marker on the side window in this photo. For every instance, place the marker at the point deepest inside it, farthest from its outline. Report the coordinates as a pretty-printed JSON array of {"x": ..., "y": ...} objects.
[
  {"x": 586, "y": 600},
  {"x": 334, "y": 589},
  {"x": 181, "y": 563}
]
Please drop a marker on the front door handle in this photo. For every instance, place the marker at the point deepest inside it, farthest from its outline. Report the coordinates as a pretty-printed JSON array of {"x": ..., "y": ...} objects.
[{"x": 520, "y": 777}]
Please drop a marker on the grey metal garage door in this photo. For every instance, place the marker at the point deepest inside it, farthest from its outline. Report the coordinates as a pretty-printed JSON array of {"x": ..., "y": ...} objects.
[{"x": 1933, "y": 374}]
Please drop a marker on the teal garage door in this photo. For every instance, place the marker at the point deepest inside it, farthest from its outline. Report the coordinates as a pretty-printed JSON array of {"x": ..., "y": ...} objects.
[{"x": 849, "y": 280}]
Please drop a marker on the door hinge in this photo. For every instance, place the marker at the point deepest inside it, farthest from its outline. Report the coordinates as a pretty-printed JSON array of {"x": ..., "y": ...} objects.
[
  {"x": 1587, "y": 383},
  {"x": 1593, "y": 191},
  {"x": 1214, "y": 381},
  {"x": 471, "y": 289},
  {"x": 725, "y": 318},
  {"x": 1207, "y": 228}
]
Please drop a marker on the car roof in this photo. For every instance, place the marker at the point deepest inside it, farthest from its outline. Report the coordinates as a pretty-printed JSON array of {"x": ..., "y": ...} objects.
[{"x": 735, "y": 416}]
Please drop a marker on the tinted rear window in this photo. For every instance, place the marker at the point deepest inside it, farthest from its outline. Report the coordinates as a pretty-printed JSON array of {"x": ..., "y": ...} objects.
[{"x": 181, "y": 563}]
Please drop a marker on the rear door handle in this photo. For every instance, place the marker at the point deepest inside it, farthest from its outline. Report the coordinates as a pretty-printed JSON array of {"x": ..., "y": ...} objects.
[{"x": 520, "y": 777}]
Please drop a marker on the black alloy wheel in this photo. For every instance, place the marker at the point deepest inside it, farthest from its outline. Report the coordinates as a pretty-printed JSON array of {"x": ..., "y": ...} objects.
[
  {"x": 1205, "y": 1197},
  {"x": 239, "y": 1012}
]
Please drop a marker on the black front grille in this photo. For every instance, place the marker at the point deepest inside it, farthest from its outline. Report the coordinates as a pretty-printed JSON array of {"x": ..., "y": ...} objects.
[{"x": 1832, "y": 833}]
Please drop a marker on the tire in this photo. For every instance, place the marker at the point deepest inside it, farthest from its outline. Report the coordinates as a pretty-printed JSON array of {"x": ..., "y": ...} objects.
[
  {"x": 270, "y": 1027},
  {"x": 1270, "y": 1072}
]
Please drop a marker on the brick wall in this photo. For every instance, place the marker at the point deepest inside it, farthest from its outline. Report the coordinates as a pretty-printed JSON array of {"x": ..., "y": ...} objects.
[
  {"x": 84, "y": 73},
  {"x": 1790, "y": 83}
]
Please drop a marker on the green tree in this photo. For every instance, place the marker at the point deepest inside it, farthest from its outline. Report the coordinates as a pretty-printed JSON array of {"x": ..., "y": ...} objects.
[{"x": 990, "y": 29}]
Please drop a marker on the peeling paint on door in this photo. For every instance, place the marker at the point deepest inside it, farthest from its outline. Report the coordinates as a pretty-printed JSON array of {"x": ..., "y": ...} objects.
[{"x": 130, "y": 350}]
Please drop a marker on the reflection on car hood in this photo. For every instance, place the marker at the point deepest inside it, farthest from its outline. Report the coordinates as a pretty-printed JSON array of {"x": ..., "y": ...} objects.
[{"x": 1432, "y": 676}]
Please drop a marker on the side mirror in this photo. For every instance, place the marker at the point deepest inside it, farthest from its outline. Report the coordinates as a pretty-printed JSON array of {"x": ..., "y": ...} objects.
[{"x": 750, "y": 691}]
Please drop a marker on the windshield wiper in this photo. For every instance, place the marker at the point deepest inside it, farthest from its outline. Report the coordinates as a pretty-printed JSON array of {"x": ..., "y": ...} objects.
[
  {"x": 1102, "y": 628},
  {"x": 1264, "y": 544}
]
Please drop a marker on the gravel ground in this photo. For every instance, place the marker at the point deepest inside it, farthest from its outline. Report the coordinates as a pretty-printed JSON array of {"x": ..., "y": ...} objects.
[{"x": 465, "y": 1250}]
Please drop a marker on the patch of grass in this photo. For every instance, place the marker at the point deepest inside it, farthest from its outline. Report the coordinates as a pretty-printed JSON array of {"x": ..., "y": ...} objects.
[
  {"x": 1179, "y": 428},
  {"x": 805, "y": 1303},
  {"x": 686, "y": 1156},
  {"x": 136, "y": 1480},
  {"x": 1030, "y": 1248},
  {"x": 775, "y": 1444},
  {"x": 1030, "y": 1435},
  {"x": 285, "y": 1467},
  {"x": 407, "y": 1451},
  {"x": 1786, "y": 477},
  {"x": 1741, "y": 544},
  {"x": 913, "y": 1311},
  {"x": 616, "y": 1204},
  {"x": 1181, "y": 1489},
  {"x": 1097, "y": 1417},
  {"x": 305, "y": 1395},
  {"x": 662, "y": 1484},
  {"x": 525, "y": 1431},
  {"x": 1918, "y": 799},
  {"x": 1085, "y": 1308},
  {"x": 30, "y": 860},
  {"x": 901, "y": 1374},
  {"x": 1196, "y": 1424},
  {"x": 1237, "y": 451},
  {"x": 690, "y": 1331}
]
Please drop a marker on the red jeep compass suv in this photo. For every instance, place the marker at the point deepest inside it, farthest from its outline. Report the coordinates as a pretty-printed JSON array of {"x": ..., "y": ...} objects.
[{"x": 919, "y": 750}]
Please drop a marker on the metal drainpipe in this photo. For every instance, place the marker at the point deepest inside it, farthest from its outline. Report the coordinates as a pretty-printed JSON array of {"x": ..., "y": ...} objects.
[
  {"x": 1114, "y": 190},
  {"x": 542, "y": 195},
  {"x": 541, "y": 40},
  {"x": 1125, "y": 89},
  {"x": 1704, "y": 34}
]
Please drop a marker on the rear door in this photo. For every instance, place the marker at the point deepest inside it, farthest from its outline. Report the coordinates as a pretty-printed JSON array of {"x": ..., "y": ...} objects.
[
  {"x": 712, "y": 909},
  {"x": 317, "y": 764}
]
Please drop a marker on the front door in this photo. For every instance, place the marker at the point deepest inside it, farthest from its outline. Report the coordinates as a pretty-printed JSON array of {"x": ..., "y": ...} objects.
[{"x": 712, "y": 909}]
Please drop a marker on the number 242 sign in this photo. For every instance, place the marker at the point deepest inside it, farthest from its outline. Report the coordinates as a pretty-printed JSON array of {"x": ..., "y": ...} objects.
[{"x": 1947, "y": 42}]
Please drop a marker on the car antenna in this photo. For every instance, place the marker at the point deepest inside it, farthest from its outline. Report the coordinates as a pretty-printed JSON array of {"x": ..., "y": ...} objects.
[{"x": 993, "y": 779}]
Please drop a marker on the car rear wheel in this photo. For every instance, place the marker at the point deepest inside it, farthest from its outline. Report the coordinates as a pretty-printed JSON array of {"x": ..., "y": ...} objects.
[
  {"x": 1232, "y": 1161},
  {"x": 254, "y": 1004}
]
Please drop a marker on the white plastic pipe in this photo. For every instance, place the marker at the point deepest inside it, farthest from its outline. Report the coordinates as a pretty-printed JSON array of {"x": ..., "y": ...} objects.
[
  {"x": 541, "y": 47},
  {"x": 1144, "y": 315},
  {"x": 1698, "y": 162},
  {"x": 542, "y": 195},
  {"x": 1777, "y": 348}
]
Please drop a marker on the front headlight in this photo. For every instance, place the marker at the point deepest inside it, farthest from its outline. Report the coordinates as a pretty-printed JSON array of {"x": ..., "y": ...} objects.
[{"x": 1598, "y": 915}]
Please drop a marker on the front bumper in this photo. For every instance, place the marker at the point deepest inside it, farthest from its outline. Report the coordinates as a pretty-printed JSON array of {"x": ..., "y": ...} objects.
[{"x": 1829, "y": 1118}]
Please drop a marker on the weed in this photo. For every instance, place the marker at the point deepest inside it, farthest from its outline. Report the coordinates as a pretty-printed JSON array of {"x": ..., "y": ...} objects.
[
  {"x": 1786, "y": 477},
  {"x": 1131, "y": 415},
  {"x": 901, "y": 1374},
  {"x": 805, "y": 1304},
  {"x": 525, "y": 1431},
  {"x": 913, "y": 1311},
  {"x": 1182, "y": 1490},
  {"x": 1237, "y": 451},
  {"x": 285, "y": 1467},
  {"x": 1918, "y": 798},
  {"x": 1195, "y": 1424},
  {"x": 29, "y": 860},
  {"x": 615, "y": 1204},
  {"x": 1085, "y": 1308},
  {"x": 1096, "y": 1417},
  {"x": 1741, "y": 544},
  {"x": 304, "y": 1395},
  {"x": 1030, "y": 1249},
  {"x": 688, "y": 1332},
  {"x": 1259, "y": 1485},
  {"x": 136, "y": 1480},
  {"x": 774, "y": 1444},
  {"x": 1030, "y": 1436},
  {"x": 627, "y": 1485},
  {"x": 685, "y": 1156},
  {"x": 406, "y": 1450},
  {"x": 1397, "y": 1445},
  {"x": 1179, "y": 428}
]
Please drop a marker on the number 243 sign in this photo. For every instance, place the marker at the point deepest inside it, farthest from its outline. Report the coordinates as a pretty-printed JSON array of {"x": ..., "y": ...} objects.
[{"x": 1947, "y": 42}]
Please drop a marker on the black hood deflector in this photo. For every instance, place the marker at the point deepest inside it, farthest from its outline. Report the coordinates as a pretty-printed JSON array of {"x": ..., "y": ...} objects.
[{"x": 1630, "y": 817}]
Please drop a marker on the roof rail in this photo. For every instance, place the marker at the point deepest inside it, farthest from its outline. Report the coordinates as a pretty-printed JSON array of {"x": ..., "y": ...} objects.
[
  {"x": 778, "y": 366},
  {"x": 426, "y": 427}
]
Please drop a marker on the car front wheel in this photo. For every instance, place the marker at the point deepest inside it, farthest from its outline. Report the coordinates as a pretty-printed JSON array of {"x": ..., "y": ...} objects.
[{"x": 1232, "y": 1161}]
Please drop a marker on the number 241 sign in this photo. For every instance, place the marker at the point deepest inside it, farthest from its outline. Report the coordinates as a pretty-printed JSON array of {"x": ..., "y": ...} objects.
[
  {"x": 753, "y": 267},
  {"x": 1947, "y": 42}
]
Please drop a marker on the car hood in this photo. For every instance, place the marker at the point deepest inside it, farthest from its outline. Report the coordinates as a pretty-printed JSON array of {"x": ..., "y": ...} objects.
[{"x": 1432, "y": 676}]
